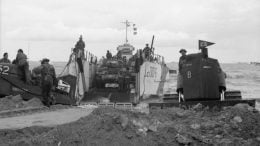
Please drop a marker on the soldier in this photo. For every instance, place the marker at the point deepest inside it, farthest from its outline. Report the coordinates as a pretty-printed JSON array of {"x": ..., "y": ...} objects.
[
  {"x": 36, "y": 74},
  {"x": 23, "y": 65},
  {"x": 79, "y": 48},
  {"x": 147, "y": 52},
  {"x": 48, "y": 77},
  {"x": 119, "y": 55},
  {"x": 5, "y": 58},
  {"x": 182, "y": 58},
  {"x": 108, "y": 55}
]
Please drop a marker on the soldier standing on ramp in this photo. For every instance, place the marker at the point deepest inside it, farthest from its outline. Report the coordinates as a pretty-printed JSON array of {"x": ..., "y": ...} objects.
[
  {"x": 182, "y": 58},
  {"x": 80, "y": 45},
  {"x": 147, "y": 52},
  {"x": 48, "y": 76}
]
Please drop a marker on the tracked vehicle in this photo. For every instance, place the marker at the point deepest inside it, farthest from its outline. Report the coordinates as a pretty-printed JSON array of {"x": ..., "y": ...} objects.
[
  {"x": 202, "y": 80},
  {"x": 114, "y": 79}
]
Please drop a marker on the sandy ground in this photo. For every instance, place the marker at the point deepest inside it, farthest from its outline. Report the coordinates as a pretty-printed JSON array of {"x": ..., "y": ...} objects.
[{"x": 50, "y": 118}]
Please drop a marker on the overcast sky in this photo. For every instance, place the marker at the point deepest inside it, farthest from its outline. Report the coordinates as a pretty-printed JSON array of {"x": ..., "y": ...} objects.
[{"x": 50, "y": 28}]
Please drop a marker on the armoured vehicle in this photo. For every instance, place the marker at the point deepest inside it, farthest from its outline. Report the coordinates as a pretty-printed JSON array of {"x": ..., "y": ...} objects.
[{"x": 202, "y": 80}]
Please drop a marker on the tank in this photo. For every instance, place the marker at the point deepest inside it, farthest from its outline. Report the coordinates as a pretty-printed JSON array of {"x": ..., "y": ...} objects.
[{"x": 115, "y": 77}]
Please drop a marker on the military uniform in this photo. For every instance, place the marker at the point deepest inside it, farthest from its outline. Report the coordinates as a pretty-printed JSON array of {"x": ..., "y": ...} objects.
[
  {"x": 109, "y": 55},
  {"x": 79, "y": 48},
  {"x": 48, "y": 76},
  {"x": 5, "y": 60},
  {"x": 182, "y": 59},
  {"x": 147, "y": 52},
  {"x": 23, "y": 65},
  {"x": 181, "y": 62},
  {"x": 36, "y": 75}
]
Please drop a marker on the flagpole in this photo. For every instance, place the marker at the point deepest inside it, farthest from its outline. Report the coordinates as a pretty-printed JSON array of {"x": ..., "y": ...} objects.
[{"x": 126, "y": 25}]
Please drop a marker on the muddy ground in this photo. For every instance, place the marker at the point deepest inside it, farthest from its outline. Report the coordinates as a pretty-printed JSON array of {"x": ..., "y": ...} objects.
[
  {"x": 11, "y": 106},
  {"x": 16, "y": 102},
  {"x": 238, "y": 125}
]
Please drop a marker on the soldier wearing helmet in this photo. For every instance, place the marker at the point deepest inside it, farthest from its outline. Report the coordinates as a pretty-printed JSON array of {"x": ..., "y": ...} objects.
[
  {"x": 23, "y": 65},
  {"x": 182, "y": 58},
  {"x": 48, "y": 77}
]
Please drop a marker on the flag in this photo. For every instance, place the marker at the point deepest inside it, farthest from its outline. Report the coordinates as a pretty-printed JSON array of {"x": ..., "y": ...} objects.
[
  {"x": 127, "y": 24},
  {"x": 203, "y": 44},
  {"x": 135, "y": 30}
]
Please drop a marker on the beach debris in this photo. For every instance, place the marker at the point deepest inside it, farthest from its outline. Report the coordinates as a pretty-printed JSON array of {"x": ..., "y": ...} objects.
[
  {"x": 237, "y": 119},
  {"x": 195, "y": 126},
  {"x": 183, "y": 139},
  {"x": 16, "y": 102}
]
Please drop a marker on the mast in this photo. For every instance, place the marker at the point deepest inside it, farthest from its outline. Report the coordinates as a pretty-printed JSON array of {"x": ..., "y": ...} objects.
[{"x": 127, "y": 24}]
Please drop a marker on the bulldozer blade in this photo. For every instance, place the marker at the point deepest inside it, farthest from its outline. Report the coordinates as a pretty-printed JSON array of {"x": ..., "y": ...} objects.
[{"x": 210, "y": 104}]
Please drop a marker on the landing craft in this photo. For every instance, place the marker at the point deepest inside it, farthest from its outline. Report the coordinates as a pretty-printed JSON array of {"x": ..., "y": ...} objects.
[
  {"x": 129, "y": 79},
  {"x": 75, "y": 84},
  {"x": 124, "y": 78},
  {"x": 11, "y": 83},
  {"x": 71, "y": 83}
]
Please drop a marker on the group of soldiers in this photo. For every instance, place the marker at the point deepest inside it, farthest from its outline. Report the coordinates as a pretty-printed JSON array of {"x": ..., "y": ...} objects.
[
  {"x": 45, "y": 71},
  {"x": 147, "y": 53},
  {"x": 21, "y": 62}
]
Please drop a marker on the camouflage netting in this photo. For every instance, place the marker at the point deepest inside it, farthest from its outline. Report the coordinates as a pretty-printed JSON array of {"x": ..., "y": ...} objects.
[{"x": 238, "y": 125}]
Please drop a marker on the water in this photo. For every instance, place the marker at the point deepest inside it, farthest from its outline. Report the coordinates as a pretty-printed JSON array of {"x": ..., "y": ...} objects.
[
  {"x": 59, "y": 66},
  {"x": 243, "y": 77}
]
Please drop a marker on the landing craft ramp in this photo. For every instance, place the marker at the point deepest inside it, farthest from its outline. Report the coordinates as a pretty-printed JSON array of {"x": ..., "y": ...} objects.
[
  {"x": 147, "y": 83},
  {"x": 113, "y": 95}
]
